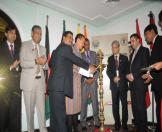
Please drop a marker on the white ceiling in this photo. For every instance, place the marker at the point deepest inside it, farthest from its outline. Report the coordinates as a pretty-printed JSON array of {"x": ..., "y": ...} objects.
[{"x": 95, "y": 12}]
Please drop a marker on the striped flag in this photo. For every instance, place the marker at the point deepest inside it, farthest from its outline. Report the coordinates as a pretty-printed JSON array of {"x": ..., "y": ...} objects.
[
  {"x": 47, "y": 46},
  {"x": 64, "y": 26},
  {"x": 78, "y": 28},
  {"x": 85, "y": 31}
]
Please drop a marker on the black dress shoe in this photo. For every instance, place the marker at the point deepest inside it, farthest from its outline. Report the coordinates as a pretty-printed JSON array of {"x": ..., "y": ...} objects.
[
  {"x": 117, "y": 128},
  {"x": 84, "y": 128},
  {"x": 125, "y": 127},
  {"x": 97, "y": 126}
]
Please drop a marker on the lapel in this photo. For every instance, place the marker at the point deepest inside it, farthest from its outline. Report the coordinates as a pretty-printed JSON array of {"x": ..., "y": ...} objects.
[
  {"x": 31, "y": 49},
  {"x": 120, "y": 60},
  {"x": 90, "y": 56},
  {"x": 75, "y": 51},
  {"x": 131, "y": 55},
  {"x": 113, "y": 61},
  {"x": 137, "y": 54},
  {"x": 84, "y": 55},
  {"x": 154, "y": 45},
  {"x": 7, "y": 52}
]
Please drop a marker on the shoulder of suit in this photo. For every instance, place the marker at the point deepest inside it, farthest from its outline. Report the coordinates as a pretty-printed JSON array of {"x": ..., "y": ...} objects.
[
  {"x": 93, "y": 52},
  {"x": 26, "y": 42},
  {"x": 122, "y": 55},
  {"x": 41, "y": 46},
  {"x": 110, "y": 57},
  {"x": 145, "y": 48},
  {"x": 63, "y": 48},
  {"x": 3, "y": 44},
  {"x": 159, "y": 38}
]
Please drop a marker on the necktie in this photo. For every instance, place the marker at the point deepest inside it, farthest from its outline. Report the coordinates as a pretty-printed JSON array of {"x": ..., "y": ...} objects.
[
  {"x": 12, "y": 50},
  {"x": 116, "y": 62},
  {"x": 88, "y": 57},
  {"x": 134, "y": 54},
  {"x": 38, "y": 73},
  {"x": 36, "y": 50}
]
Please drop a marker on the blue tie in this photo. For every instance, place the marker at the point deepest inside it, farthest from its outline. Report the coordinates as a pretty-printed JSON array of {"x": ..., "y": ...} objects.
[{"x": 88, "y": 57}]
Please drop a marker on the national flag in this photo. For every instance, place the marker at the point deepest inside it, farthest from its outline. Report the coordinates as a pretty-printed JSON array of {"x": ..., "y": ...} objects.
[
  {"x": 138, "y": 31},
  {"x": 152, "y": 21},
  {"x": 47, "y": 46},
  {"x": 85, "y": 31},
  {"x": 78, "y": 28},
  {"x": 64, "y": 26}
]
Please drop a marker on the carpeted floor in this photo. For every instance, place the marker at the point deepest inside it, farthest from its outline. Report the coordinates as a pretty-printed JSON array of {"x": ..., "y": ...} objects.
[{"x": 91, "y": 128}]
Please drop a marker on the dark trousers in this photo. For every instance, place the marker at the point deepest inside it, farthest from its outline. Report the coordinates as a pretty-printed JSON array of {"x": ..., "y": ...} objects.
[
  {"x": 72, "y": 123},
  {"x": 138, "y": 94},
  {"x": 117, "y": 95},
  {"x": 158, "y": 101},
  {"x": 58, "y": 112},
  {"x": 10, "y": 106}
]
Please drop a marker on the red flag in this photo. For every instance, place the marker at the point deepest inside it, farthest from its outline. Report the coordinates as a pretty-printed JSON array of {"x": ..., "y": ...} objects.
[
  {"x": 152, "y": 21},
  {"x": 138, "y": 31},
  {"x": 147, "y": 98}
]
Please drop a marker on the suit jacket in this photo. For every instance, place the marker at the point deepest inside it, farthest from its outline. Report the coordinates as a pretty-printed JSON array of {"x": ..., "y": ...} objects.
[
  {"x": 111, "y": 71},
  {"x": 6, "y": 60},
  {"x": 93, "y": 60},
  {"x": 156, "y": 56},
  {"x": 141, "y": 60},
  {"x": 61, "y": 63},
  {"x": 28, "y": 74}
]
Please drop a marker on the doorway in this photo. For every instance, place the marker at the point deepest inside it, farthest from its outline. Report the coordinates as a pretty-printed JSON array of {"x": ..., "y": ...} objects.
[{"x": 5, "y": 20}]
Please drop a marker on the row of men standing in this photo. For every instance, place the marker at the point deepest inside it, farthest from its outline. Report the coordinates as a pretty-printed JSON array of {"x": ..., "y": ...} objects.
[
  {"x": 31, "y": 82},
  {"x": 120, "y": 70},
  {"x": 31, "y": 62}
]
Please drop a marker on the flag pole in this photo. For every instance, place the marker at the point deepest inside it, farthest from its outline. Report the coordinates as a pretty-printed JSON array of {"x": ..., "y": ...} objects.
[{"x": 47, "y": 20}]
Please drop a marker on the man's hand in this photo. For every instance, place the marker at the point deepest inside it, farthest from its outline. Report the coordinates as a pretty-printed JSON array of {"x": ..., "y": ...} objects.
[
  {"x": 147, "y": 77},
  {"x": 40, "y": 60},
  {"x": 157, "y": 66},
  {"x": 89, "y": 81},
  {"x": 92, "y": 69},
  {"x": 130, "y": 77},
  {"x": 15, "y": 64},
  {"x": 116, "y": 79}
]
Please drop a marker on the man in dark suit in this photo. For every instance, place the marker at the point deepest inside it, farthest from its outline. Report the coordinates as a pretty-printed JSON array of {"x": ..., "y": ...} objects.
[
  {"x": 10, "y": 94},
  {"x": 89, "y": 87},
  {"x": 158, "y": 65},
  {"x": 151, "y": 35},
  {"x": 60, "y": 82},
  {"x": 139, "y": 59},
  {"x": 116, "y": 71}
]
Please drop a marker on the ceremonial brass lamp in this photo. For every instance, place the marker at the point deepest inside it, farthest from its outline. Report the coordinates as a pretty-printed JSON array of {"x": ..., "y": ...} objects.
[{"x": 101, "y": 105}]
